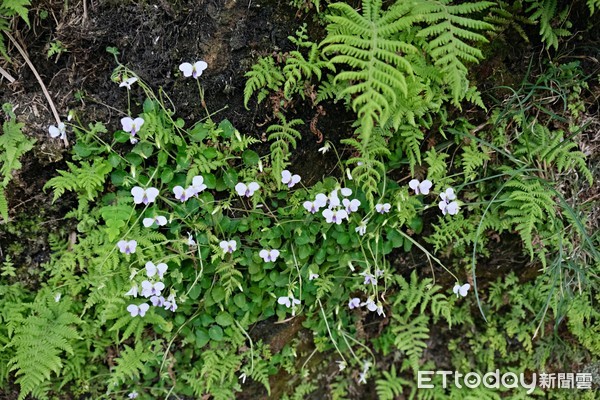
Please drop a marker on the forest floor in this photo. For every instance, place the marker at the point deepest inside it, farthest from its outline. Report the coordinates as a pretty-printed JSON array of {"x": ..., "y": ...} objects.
[{"x": 153, "y": 38}]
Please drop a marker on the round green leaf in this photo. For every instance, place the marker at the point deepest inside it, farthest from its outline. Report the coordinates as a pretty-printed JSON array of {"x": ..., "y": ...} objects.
[
  {"x": 250, "y": 158},
  {"x": 215, "y": 333},
  {"x": 224, "y": 319}
]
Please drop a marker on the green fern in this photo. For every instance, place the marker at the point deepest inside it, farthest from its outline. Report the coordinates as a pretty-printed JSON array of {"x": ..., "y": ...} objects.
[
  {"x": 449, "y": 33},
  {"x": 593, "y": 5},
  {"x": 39, "y": 342},
  {"x": 284, "y": 138},
  {"x": 390, "y": 387},
  {"x": 544, "y": 12},
  {"x": 265, "y": 76},
  {"x": 367, "y": 44},
  {"x": 8, "y": 10},
  {"x": 530, "y": 208},
  {"x": 368, "y": 170},
  {"x": 87, "y": 180},
  {"x": 131, "y": 364},
  {"x": 410, "y": 322},
  {"x": 3, "y": 206},
  {"x": 13, "y": 144}
]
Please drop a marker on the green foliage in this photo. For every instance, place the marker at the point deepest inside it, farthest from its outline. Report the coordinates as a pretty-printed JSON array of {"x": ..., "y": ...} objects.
[
  {"x": 39, "y": 340},
  {"x": 8, "y": 10},
  {"x": 13, "y": 145},
  {"x": 291, "y": 78},
  {"x": 284, "y": 137},
  {"x": 86, "y": 179},
  {"x": 450, "y": 34},
  {"x": 553, "y": 24},
  {"x": 366, "y": 43}
]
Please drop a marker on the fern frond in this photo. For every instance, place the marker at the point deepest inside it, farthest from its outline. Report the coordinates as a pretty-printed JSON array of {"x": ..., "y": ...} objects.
[
  {"x": 449, "y": 35},
  {"x": 284, "y": 136},
  {"x": 366, "y": 43},
  {"x": 264, "y": 76},
  {"x": 40, "y": 341}
]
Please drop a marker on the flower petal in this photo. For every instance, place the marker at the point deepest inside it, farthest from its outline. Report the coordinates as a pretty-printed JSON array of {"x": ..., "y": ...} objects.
[{"x": 187, "y": 69}]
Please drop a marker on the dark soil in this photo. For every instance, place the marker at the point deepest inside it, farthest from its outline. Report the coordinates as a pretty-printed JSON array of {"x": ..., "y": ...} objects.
[{"x": 153, "y": 39}]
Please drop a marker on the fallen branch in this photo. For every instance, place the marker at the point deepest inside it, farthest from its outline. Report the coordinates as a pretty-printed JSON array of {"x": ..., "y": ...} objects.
[
  {"x": 5, "y": 74},
  {"x": 39, "y": 79}
]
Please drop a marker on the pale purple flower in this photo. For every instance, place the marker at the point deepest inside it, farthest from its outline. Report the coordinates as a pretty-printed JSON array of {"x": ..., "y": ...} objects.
[
  {"x": 193, "y": 70},
  {"x": 159, "y": 220},
  {"x": 228, "y": 246},
  {"x": 362, "y": 227},
  {"x": 312, "y": 275},
  {"x": 362, "y": 378},
  {"x": 138, "y": 310},
  {"x": 132, "y": 125},
  {"x": 133, "y": 395},
  {"x": 371, "y": 306},
  {"x": 159, "y": 269},
  {"x": 334, "y": 216},
  {"x": 354, "y": 303},
  {"x": 182, "y": 194},
  {"x": 448, "y": 205},
  {"x": 269, "y": 255},
  {"x": 314, "y": 206},
  {"x": 369, "y": 278},
  {"x": 127, "y": 83},
  {"x": 378, "y": 273},
  {"x": 190, "y": 240},
  {"x": 383, "y": 208},
  {"x": 151, "y": 289},
  {"x": 58, "y": 131},
  {"x": 289, "y": 179},
  {"x": 170, "y": 303},
  {"x": 380, "y": 309},
  {"x": 141, "y": 195},
  {"x": 288, "y": 301},
  {"x": 341, "y": 365},
  {"x": 346, "y": 192},
  {"x": 198, "y": 184},
  {"x": 157, "y": 301},
  {"x": 461, "y": 290},
  {"x": 420, "y": 187},
  {"x": 246, "y": 190},
  {"x": 57, "y": 297},
  {"x": 351, "y": 205},
  {"x": 133, "y": 291},
  {"x": 127, "y": 247},
  {"x": 334, "y": 200}
]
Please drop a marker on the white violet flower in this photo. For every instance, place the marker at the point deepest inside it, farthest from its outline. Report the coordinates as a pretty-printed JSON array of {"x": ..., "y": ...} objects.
[
  {"x": 228, "y": 246},
  {"x": 383, "y": 208},
  {"x": 58, "y": 131},
  {"x": 420, "y": 187},
  {"x": 289, "y": 179},
  {"x": 141, "y": 195},
  {"x": 334, "y": 216},
  {"x": 269, "y": 255},
  {"x": 246, "y": 190},
  {"x": 127, "y": 247},
  {"x": 128, "y": 82},
  {"x": 193, "y": 70},
  {"x": 461, "y": 290},
  {"x": 138, "y": 310}
]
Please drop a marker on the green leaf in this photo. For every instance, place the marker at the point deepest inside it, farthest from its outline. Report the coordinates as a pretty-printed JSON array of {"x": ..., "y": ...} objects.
[
  {"x": 227, "y": 129},
  {"x": 250, "y": 158},
  {"x": 202, "y": 337},
  {"x": 224, "y": 319},
  {"x": 216, "y": 333},
  {"x": 230, "y": 178}
]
